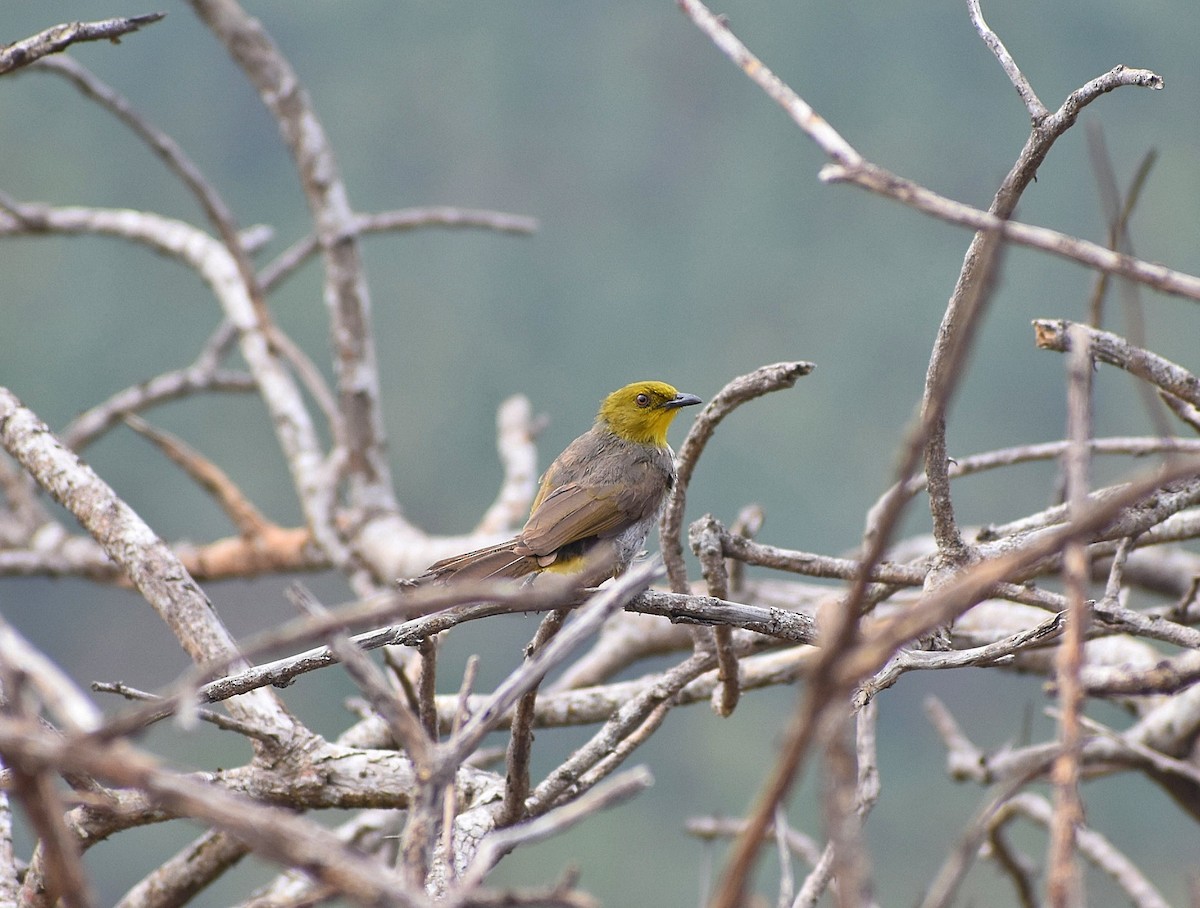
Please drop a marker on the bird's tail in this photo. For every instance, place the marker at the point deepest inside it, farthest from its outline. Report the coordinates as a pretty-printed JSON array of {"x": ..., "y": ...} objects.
[{"x": 496, "y": 562}]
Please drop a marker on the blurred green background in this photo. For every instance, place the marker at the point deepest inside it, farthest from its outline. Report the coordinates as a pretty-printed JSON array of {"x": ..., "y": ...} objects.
[{"x": 684, "y": 236}]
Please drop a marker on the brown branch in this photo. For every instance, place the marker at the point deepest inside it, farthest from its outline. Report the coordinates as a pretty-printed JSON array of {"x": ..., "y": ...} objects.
[
  {"x": 427, "y": 651},
  {"x": 246, "y": 518},
  {"x": 1064, "y": 885},
  {"x": 58, "y": 38}
]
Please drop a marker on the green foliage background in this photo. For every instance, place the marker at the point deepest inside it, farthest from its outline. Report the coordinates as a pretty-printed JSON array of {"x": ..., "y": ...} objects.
[{"x": 684, "y": 236}]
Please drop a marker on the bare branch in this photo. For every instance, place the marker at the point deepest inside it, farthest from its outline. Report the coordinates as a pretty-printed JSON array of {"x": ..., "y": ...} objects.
[
  {"x": 992, "y": 654},
  {"x": 520, "y": 743},
  {"x": 630, "y": 714},
  {"x": 1055, "y": 334},
  {"x": 187, "y": 873},
  {"x": 219, "y": 214},
  {"x": 613, "y": 792},
  {"x": 404, "y": 726},
  {"x": 145, "y": 558},
  {"x": 59, "y": 37},
  {"x": 1064, "y": 884},
  {"x": 273, "y": 833},
  {"x": 1096, "y": 848},
  {"x": 742, "y": 389},
  {"x": 361, "y": 433},
  {"x": 399, "y": 221},
  {"x": 1037, "y": 110},
  {"x": 248, "y": 520},
  {"x": 814, "y": 125},
  {"x": 705, "y": 538}
]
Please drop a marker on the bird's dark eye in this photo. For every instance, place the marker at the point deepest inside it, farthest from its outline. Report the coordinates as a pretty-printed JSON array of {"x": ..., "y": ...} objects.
[{"x": 643, "y": 400}]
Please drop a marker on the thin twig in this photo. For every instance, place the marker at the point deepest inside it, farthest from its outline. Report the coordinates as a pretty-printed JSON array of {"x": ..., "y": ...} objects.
[
  {"x": 219, "y": 214},
  {"x": 551, "y": 823},
  {"x": 362, "y": 433},
  {"x": 996, "y": 653},
  {"x": 236, "y": 505},
  {"x": 1037, "y": 110},
  {"x": 217, "y": 719},
  {"x": 625, "y": 720},
  {"x": 59, "y": 37},
  {"x": 450, "y": 797},
  {"x": 405, "y": 727},
  {"x": 401, "y": 220},
  {"x": 740, "y": 390},
  {"x": 586, "y": 622},
  {"x": 427, "y": 685}
]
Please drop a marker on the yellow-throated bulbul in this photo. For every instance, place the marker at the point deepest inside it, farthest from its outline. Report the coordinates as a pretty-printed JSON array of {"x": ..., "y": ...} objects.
[{"x": 598, "y": 500}]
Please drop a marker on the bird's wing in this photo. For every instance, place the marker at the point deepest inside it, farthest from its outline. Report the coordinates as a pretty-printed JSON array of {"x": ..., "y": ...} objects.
[{"x": 577, "y": 511}]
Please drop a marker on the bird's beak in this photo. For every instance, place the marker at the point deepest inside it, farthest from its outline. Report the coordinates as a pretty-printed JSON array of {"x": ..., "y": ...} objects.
[{"x": 682, "y": 400}]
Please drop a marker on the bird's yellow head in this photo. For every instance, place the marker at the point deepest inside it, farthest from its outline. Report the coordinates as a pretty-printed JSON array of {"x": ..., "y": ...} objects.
[{"x": 642, "y": 412}]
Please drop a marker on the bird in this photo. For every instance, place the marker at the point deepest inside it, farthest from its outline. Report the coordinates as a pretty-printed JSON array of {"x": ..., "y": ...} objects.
[{"x": 597, "y": 501}]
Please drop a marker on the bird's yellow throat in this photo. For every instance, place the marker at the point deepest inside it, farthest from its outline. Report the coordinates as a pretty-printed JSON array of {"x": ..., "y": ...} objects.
[{"x": 642, "y": 412}]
